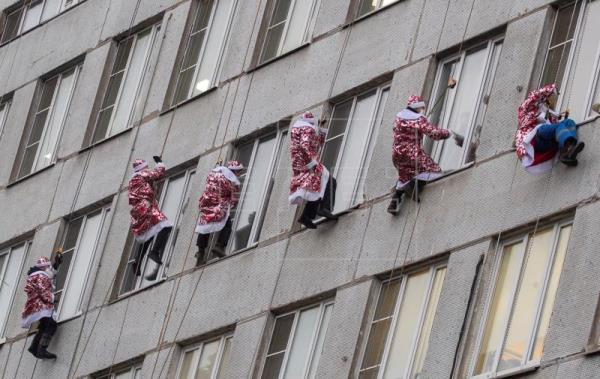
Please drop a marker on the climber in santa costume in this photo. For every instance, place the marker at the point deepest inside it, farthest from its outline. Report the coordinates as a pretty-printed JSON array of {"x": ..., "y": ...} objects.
[
  {"x": 542, "y": 135},
  {"x": 39, "y": 306},
  {"x": 219, "y": 198},
  {"x": 311, "y": 181},
  {"x": 147, "y": 221},
  {"x": 414, "y": 165}
]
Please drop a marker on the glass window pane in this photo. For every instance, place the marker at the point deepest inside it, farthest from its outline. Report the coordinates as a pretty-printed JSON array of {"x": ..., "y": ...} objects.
[
  {"x": 192, "y": 54},
  {"x": 61, "y": 276},
  {"x": 273, "y": 366},
  {"x": 122, "y": 57},
  {"x": 224, "y": 364},
  {"x": 297, "y": 25},
  {"x": 32, "y": 15},
  {"x": 280, "y": 13},
  {"x": 339, "y": 119},
  {"x": 10, "y": 271},
  {"x": 316, "y": 355},
  {"x": 51, "y": 9},
  {"x": 11, "y": 26},
  {"x": 72, "y": 233},
  {"x": 273, "y": 39},
  {"x": 103, "y": 122},
  {"x": 301, "y": 344},
  {"x": 254, "y": 191},
  {"x": 281, "y": 333},
  {"x": 369, "y": 374},
  {"x": 202, "y": 15},
  {"x": 559, "y": 259},
  {"x": 352, "y": 158},
  {"x": 556, "y": 63},
  {"x": 528, "y": 296},
  {"x": 184, "y": 84},
  {"x": 47, "y": 93},
  {"x": 464, "y": 107},
  {"x": 188, "y": 365},
  {"x": 508, "y": 276},
  {"x": 406, "y": 325},
  {"x": 133, "y": 78},
  {"x": 376, "y": 343},
  {"x": 82, "y": 259},
  {"x": 38, "y": 127},
  {"x": 112, "y": 90},
  {"x": 423, "y": 343},
  {"x": 28, "y": 159},
  {"x": 208, "y": 359},
  {"x": 214, "y": 45},
  {"x": 367, "y": 6},
  {"x": 387, "y": 299},
  {"x": 566, "y": 21}
]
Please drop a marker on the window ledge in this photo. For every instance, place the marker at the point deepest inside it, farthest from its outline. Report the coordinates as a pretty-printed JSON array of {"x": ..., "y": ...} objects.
[
  {"x": 513, "y": 372},
  {"x": 110, "y": 138},
  {"x": 24, "y": 178},
  {"x": 137, "y": 291},
  {"x": 2, "y": 341},
  {"x": 187, "y": 101},
  {"x": 279, "y": 57},
  {"x": 592, "y": 349}
]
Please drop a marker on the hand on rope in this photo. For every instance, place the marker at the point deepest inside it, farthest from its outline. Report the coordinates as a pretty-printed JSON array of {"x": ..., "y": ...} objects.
[{"x": 157, "y": 159}]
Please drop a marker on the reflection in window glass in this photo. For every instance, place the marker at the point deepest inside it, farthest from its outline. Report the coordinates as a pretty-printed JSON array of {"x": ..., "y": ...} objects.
[{"x": 207, "y": 360}]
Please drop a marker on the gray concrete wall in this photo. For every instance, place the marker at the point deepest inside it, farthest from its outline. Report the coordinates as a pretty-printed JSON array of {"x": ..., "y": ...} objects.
[{"x": 459, "y": 216}]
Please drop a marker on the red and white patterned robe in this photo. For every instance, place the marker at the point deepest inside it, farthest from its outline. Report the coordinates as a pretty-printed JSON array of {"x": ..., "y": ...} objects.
[
  {"x": 40, "y": 298},
  {"x": 306, "y": 183},
  {"x": 146, "y": 218},
  {"x": 531, "y": 115},
  {"x": 219, "y": 197},
  {"x": 411, "y": 161}
]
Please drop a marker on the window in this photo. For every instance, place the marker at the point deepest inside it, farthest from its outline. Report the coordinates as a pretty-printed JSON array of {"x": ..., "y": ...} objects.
[
  {"x": 297, "y": 342},
  {"x": 174, "y": 196},
  {"x": 368, "y": 6},
  {"x": 122, "y": 94},
  {"x": 261, "y": 156},
  {"x": 207, "y": 360},
  {"x": 527, "y": 273},
  {"x": 49, "y": 112},
  {"x": 401, "y": 326},
  {"x": 79, "y": 242},
  {"x": 576, "y": 68},
  {"x": 204, "y": 48},
  {"x": 11, "y": 264},
  {"x": 134, "y": 372},
  {"x": 30, "y": 14},
  {"x": 289, "y": 27},
  {"x": 462, "y": 109},
  {"x": 4, "y": 108},
  {"x": 348, "y": 146}
]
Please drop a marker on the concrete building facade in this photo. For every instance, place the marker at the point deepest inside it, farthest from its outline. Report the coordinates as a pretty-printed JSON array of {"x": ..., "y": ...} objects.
[{"x": 493, "y": 274}]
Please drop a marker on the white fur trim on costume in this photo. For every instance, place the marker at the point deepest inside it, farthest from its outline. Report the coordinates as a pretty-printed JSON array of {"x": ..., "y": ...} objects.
[
  {"x": 304, "y": 124},
  {"x": 214, "y": 226},
  {"x": 420, "y": 104},
  {"x": 228, "y": 174},
  {"x": 424, "y": 176},
  {"x": 140, "y": 167},
  {"x": 540, "y": 168},
  {"x": 153, "y": 231},
  {"x": 27, "y": 321},
  {"x": 302, "y": 194},
  {"x": 527, "y": 160},
  {"x": 407, "y": 114}
]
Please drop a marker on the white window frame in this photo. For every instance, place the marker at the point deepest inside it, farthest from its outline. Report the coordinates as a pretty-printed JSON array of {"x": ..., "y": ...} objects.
[
  {"x": 155, "y": 29},
  {"x": 20, "y": 264},
  {"x": 280, "y": 138},
  {"x": 369, "y": 143},
  {"x": 49, "y": 118},
  {"x": 5, "y": 105},
  {"x": 307, "y": 28},
  {"x": 133, "y": 370},
  {"x": 322, "y": 307},
  {"x": 480, "y": 109},
  {"x": 527, "y": 364},
  {"x": 214, "y": 80},
  {"x": 103, "y": 214},
  {"x": 391, "y": 331},
  {"x": 199, "y": 346},
  {"x": 379, "y": 6},
  {"x": 140, "y": 281}
]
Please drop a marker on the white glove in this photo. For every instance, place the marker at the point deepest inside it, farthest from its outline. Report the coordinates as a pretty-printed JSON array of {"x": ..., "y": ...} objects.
[{"x": 312, "y": 164}]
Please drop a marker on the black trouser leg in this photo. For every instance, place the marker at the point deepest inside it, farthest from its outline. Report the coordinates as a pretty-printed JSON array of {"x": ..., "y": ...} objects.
[
  {"x": 328, "y": 201},
  {"x": 224, "y": 234},
  {"x": 310, "y": 210},
  {"x": 161, "y": 240},
  {"x": 202, "y": 241},
  {"x": 48, "y": 326}
]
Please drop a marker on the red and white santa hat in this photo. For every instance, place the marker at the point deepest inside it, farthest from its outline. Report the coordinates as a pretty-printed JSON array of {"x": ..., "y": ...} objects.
[
  {"x": 42, "y": 262},
  {"x": 139, "y": 164},
  {"x": 235, "y": 165},
  {"x": 308, "y": 117},
  {"x": 415, "y": 102}
]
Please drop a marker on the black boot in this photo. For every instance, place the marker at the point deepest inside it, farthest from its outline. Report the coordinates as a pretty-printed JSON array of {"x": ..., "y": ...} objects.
[
  {"x": 307, "y": 222},
  {"x": 155, "y": 255},
  {"x": 33, "y": 348},
  {"x": 568, "y": 154},
  {"x": 200, "y": 256},
  {"x": 395, "y": 204},
  {"x": 324, "y": 212},
  {"x": 42, "y": 352}
]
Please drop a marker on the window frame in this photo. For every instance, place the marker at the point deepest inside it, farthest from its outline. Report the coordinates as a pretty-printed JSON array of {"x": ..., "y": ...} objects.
[
  {"x": 281, "y": 136},
  {"x": 188, "y": 175},
  {"x": 322, "y": 305},
  {"x": 379, "y": 7},
  {"x": 525, "y": 238},
  {"x": 155, "y": 31},
  {"x": 34, "y": 111},
  {"x": 432, "y": 270},
  {"x": 200, "y": 346},
  {"x": 370, "y": 141},
  {"x": 103, "y": 212},
  {"x": 8, "y": 251},
  {"x": 214, "y": 82},
  {"x": 481, "y": 105},
  {"x": 133, "y": 370},
  {"x": 5, "y": 104}
]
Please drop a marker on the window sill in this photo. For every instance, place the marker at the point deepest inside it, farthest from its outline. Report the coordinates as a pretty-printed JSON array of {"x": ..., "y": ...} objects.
[
  {"x": 110, "y": 138},
  {"x": 24, "y": 178},
  {"x": 510, "y": 373},
  {"x": 592, "y": 349},
  {"x": 275, "y": 59},
  {"x": 2, "y": 341},
  {"x": 187, "y": 101},
  {"x": 137, "y": 291}
]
